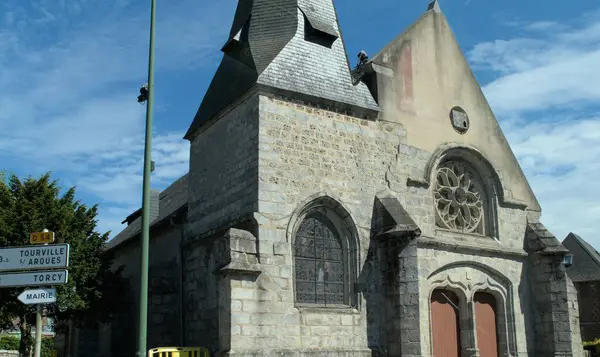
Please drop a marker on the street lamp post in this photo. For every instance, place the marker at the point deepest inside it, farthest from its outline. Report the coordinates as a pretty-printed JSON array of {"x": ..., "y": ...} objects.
[{"x": 149, "y": 97}]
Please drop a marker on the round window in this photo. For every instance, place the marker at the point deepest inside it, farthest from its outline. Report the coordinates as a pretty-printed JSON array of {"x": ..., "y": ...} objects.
[{"x": 459, "y": 119}]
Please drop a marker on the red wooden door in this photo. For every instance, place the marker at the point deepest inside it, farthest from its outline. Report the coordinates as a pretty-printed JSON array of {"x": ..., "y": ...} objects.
[
  {"x": 445, "y": 328},
  {"x": 485, "y": 321}
]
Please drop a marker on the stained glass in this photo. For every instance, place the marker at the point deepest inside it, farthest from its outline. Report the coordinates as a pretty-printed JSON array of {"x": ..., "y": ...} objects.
[
  {"x": 319, "y": 263},
  {"x": 458, "y": 197}
]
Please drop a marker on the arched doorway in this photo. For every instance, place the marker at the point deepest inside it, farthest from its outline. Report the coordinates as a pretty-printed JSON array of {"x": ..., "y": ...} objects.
[
  {"x": 445, "y": 324},
  {"x": 486, "y": 324}
]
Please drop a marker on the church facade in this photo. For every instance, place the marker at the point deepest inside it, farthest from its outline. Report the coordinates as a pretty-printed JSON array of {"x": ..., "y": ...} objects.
[{"x": 330, "y": 211}]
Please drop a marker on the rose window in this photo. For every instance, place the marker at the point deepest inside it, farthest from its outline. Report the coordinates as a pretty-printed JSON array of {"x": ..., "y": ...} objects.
[{"x": 458, "y": 198}]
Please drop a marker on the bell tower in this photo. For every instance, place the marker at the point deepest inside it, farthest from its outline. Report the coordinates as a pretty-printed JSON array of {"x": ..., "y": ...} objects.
[{"x": 292, "y": 48}]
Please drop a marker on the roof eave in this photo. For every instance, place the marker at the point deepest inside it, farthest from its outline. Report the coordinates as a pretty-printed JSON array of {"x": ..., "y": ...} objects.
[{"x": 153, "y": 225}]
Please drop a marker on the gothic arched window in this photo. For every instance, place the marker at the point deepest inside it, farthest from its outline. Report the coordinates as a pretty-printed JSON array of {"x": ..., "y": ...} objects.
[
  {"x": 321, "y": 262},
  {"x": 460, "y": 198}
]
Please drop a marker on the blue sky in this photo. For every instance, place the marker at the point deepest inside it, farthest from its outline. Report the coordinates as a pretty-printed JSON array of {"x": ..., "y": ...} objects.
[{"x": 71, "y": 70}]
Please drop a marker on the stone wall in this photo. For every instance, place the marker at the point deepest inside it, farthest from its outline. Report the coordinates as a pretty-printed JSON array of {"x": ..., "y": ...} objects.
[
  {"x": 223, "y": 169},
  {"x": 401, "y": 304},
  {"x": 306, "y": 152},
  {"x": 201, "y": 318},
  {"x": 87, "y": 342},
  {"x": 574, "y": 313},
  {"x": 466, "y": 269},
  {"x": 164, "y": 313},
  {"x": 555, "y": 297},
  {"x": 123, "y": 330},
  {"x": 164, "y": 316}
]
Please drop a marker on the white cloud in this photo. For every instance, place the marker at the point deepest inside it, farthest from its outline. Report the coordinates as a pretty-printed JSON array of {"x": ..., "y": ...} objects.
[
  {"x": 544, "y": 26},
  {"x": 561, "y": 162},
  {"x": 556, "y": 84},
  {"x": 69, "y": 80},
  {"x": 546, "y": 98},
  {"x": 71, "y": 70}
]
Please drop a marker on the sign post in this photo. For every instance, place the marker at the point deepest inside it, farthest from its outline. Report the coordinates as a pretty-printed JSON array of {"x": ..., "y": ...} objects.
[
  {"x": 35, "y": 265},
  {"x": 38, "y": 331},
  {"x": 38, "y": 314}
]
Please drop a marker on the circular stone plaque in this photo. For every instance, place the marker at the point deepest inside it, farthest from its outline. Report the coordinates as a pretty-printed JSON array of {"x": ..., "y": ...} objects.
[{"x": 459, "y": 119}]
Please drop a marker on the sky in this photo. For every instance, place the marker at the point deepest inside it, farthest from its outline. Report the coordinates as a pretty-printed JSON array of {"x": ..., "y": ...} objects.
[{"x": 70, "y": 73}]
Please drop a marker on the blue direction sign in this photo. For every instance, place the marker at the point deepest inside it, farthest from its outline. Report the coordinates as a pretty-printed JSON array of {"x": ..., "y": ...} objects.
[
  {"x": 34, "y": 278},
  {"x": 34, "y": 257}
]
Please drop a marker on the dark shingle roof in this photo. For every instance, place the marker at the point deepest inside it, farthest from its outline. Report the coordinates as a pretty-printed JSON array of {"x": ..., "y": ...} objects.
[
  {"x": 266, "y": 48},
  {"x": 172, "y": 199},
  {"x": 393, "y": 219},
  {"x": 540, "y": 240},
  {"x": 586, "y": 259}
]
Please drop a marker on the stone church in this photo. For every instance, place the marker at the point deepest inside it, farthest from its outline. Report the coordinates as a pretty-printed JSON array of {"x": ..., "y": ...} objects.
[{"x": 337, "y": 211}]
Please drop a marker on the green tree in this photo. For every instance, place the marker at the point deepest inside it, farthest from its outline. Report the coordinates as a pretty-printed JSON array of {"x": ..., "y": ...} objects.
[{"x": 93, "y": 287}]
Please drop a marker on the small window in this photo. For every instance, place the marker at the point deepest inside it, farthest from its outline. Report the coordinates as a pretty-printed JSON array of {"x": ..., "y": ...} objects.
[
  {"x": 318, "y": 31},
  {"x": 238, "y": 46}
]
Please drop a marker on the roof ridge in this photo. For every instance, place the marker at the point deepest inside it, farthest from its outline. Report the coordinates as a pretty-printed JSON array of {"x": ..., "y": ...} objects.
[{"x": 164, "y": 192}]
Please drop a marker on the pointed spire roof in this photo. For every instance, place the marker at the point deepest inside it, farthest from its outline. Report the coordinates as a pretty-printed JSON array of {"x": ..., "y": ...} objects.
[
  {"x": 290, "y": 47},
  {"x": 435, "y": 6}
]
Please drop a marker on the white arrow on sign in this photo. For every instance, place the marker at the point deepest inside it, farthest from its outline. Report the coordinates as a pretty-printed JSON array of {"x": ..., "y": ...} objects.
[
  {"x": 33, "y": 278},
  {"x": 34, "y": 257},
  {"x": 38, "y": 296}
]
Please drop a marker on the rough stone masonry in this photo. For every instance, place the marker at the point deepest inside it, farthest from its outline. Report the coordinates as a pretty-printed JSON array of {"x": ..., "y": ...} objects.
[
  {"x": 377, "y": 211},
  {"x": 325, "y": 215}
]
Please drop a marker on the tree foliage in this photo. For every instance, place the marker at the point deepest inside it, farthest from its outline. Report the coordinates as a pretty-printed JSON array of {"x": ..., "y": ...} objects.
[{"x": 93, "y": 287}]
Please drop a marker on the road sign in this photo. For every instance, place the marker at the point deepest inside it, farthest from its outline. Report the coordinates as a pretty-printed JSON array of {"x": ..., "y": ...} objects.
[
  {"x": 38, "y": 296},
  {"x": 34, "y": 257},
  {"x": 34, "y": 278},
  {"x": 41, "y": 237}
]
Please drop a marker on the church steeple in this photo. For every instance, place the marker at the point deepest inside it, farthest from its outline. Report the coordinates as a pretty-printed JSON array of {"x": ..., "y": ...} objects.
[{"x": 289, "y": 47}]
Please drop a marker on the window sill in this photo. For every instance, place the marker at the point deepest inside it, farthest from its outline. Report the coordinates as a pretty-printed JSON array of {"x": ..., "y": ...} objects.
[{"x": 335, "y": 309}]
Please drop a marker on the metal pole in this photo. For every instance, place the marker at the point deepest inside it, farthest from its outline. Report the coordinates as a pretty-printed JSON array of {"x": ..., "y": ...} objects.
[
  {"x": 38, "y": 331},
  {"x": 143, "y": 317},
  {"x": 38, "y": 324}
]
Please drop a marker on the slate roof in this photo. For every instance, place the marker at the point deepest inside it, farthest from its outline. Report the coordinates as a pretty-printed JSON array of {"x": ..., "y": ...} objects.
[
  {"x": 586, "y": 259},
  {"x": 171, "y": 200},
  {"x": 394, "y": 220},
  {"x": 267, "y": 48},
  {"x": 540, "y": 240}
]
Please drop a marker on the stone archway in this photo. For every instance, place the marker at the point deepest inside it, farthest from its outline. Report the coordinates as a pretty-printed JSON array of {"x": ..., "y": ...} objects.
[{"x": 470, "y": 278}]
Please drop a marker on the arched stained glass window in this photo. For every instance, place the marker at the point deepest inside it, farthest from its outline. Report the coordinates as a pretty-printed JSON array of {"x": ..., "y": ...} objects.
[{"x": 320, "y": 262}]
